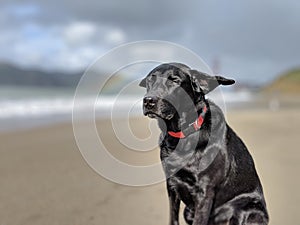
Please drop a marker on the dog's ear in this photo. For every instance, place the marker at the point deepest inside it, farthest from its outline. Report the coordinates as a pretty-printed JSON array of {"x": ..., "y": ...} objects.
[
  {"x": 143, "y": 83},
  {"x": 195, "y": 84},
  {"x": 208, "y": 83}
]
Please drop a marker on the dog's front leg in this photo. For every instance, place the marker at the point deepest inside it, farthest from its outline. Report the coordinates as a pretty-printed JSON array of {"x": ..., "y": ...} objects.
[
  {"x": 174, "y": 204},
  {"x": 203, "y": 204}
]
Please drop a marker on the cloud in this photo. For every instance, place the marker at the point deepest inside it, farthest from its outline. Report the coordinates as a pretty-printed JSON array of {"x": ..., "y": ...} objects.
[
  {"x": 22, "y": 10},
  {"x": 252, "y": 37},
  {"x": 115, "y": 37},
  {"x": 79, "y": 32},
  {"x": 255, "y": 29},
  {"x": 53, "y": 48}
]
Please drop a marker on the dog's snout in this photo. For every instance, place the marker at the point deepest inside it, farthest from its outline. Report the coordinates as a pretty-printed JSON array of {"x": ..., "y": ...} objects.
[{"x": 150, "y": 102}]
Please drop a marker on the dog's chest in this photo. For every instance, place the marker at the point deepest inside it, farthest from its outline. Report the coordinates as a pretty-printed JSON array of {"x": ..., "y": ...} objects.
[
  {"x": 183, "y": 171},
  {"x": 185, "y": 184}
]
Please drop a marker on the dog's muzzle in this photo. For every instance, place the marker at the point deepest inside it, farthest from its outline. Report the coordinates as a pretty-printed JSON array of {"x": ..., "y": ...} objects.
[
  {"x": 150, "y": 102},
  {"x": 155, "y": 107},
  {"x": 150, "y": 105}
]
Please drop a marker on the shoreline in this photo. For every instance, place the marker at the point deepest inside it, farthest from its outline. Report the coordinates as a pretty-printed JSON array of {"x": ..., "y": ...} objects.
[{"x": 33, "y": 123}]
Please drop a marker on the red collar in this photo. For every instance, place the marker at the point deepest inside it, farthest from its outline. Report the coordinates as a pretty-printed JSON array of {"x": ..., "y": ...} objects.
[{"x": 191, "y": 128}]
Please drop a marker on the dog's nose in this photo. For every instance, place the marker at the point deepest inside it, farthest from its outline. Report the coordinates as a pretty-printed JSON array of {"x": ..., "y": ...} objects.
[{"x": 149, "y": 102}]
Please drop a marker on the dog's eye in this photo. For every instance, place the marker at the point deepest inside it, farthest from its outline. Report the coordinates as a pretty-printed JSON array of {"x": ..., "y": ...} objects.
[
  {"x": 174, "y": 79},
  {"x": 153, "y": 77}
]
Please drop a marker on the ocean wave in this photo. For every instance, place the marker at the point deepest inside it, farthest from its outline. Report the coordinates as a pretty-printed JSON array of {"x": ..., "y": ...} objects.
[
  {"x": 60, "y": 106},
  {"x": 28, "y": 112},
  {"x": 32, "y": 107}
]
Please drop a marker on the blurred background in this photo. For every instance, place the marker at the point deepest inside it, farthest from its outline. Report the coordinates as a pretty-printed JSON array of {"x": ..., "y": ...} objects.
[{"x": 45, "y": 47}]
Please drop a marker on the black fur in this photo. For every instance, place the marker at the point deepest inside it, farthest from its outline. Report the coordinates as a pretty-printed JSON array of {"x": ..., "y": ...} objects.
[{"x": 211, "y": 170}]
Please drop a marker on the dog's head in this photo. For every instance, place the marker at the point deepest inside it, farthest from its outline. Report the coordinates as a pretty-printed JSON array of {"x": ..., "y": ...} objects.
[{"x": 174, "y": 86}]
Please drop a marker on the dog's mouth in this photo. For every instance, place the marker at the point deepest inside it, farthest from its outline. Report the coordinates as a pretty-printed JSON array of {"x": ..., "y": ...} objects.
[
  {"x": 169, "y": 116},
  {"x": 161, "y": 109},
  {"x": 153, "y": 115}
]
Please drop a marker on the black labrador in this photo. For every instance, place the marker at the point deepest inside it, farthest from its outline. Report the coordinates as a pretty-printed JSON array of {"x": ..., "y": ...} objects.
[{"x": 207, "y": 165}]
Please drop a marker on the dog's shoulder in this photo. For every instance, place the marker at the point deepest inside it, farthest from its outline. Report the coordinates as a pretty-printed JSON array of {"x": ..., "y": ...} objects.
[
  {"x": 216, "y": 123},
  {"x": 216, "y": 113}
]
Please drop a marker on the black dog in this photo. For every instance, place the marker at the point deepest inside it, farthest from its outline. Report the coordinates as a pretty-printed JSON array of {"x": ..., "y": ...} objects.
[{"x": 207, "y": 165}]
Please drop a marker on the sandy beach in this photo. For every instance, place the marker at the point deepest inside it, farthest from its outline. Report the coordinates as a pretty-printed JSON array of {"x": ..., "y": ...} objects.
[{"x": 46, "y": 181}]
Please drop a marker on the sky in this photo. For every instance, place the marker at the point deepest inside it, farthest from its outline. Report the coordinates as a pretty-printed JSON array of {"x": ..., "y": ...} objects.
[{"x": 252, "y": 40}]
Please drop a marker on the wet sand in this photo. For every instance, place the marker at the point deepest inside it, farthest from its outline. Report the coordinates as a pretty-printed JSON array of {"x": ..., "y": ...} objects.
[{"x": 45, "y": 180}]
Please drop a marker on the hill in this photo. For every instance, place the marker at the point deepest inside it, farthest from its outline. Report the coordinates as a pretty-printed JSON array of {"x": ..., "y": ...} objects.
[
  {"x": 13, "y": 75},
  {"x": 288, "y": 83}
]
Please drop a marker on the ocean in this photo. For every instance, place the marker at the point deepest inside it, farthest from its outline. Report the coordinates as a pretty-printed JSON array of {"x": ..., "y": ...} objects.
[{"x": 28, "y": 107}]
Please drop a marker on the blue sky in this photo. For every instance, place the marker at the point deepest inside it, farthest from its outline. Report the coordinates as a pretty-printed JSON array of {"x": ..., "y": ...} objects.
[{"x": 254, "y": 40}]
